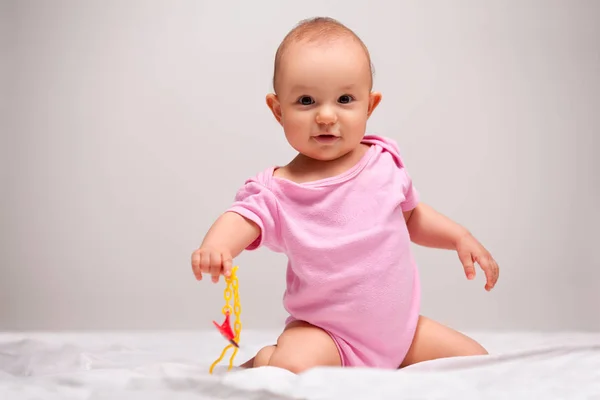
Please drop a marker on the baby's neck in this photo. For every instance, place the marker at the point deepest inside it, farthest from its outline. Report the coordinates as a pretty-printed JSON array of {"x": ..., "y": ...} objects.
[{"x": 304, "y": 169}]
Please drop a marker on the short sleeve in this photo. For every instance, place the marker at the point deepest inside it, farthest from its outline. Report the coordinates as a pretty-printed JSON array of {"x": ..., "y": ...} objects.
[
  {"x": 257, "y": 203},
  {"x": 411, "y": 195}
]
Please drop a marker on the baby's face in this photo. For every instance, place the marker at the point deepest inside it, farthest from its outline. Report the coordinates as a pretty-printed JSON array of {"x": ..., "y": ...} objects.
[{"x": 324, "y": 97}]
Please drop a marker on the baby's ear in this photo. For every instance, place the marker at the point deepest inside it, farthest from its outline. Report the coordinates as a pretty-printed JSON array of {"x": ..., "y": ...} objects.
[
  {"x": 374, "y": 100},
  {"x": 273, "y": 103}
]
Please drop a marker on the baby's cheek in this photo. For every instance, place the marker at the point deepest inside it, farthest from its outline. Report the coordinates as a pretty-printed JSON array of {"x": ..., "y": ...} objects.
[
  {"x": 297, "y": 123},
  {"x": 357, "y": 122}
]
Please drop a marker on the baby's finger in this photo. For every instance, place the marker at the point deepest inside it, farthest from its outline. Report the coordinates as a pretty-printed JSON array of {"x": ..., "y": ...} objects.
[
  {"x": 496, "y": 271},
  {"x": 486, "y": 265},
  {"x": 467, "y": 262},
  {"x": 196, "y": 264},
  {"x": 227, "y": 264},
  {"x": 215, "y": 266},
  {"x": 204, "y": 263}
]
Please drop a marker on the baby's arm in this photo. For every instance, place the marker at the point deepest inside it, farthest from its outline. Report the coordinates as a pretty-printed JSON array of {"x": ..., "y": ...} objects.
[
  {"x": 429, "y": 228},
  {"x": 226, "y": 239}
]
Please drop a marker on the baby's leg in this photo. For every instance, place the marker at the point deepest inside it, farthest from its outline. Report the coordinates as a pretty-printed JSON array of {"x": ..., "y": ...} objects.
[
  {"x": 261, "y": 358},
  {"x": 301, "y": 346},
  {"x": 433, "y": 340}
]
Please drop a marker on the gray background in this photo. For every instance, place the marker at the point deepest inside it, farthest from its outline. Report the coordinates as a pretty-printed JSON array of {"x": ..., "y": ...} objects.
[{"x": 127, "y": 127}]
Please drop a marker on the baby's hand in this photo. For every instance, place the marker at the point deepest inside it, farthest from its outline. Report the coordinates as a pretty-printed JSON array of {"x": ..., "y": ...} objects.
[
  {"x": 470, "y": 251},
  {"x": 211, "y": 261}
]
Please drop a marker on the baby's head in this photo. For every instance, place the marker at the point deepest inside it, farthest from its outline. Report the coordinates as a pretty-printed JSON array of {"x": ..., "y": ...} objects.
[{"x": 323, "y": 88}]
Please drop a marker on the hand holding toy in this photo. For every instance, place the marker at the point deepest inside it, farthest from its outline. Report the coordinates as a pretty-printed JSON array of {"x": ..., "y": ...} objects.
[{"x": 232, "y": 335}]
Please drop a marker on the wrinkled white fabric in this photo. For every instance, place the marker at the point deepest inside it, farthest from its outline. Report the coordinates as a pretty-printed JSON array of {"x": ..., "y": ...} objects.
[{"x": 174, "y": 365}]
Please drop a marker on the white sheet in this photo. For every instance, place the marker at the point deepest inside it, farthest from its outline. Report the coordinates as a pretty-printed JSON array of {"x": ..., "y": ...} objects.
[{"x": 174, "y": 365}]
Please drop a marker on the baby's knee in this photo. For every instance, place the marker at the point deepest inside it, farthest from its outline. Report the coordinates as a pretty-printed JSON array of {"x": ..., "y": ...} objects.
[
  {"x": 263, "y": 356},
  {"x": 295, "y": 365}
]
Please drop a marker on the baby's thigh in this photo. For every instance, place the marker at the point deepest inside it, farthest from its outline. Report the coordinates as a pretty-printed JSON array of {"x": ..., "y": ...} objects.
[
  {"x": 302, "y": 346},
  {"x": 433, "y": 340}
]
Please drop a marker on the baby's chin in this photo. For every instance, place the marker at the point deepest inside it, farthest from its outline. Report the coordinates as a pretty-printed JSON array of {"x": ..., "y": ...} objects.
[{"x": 325, "y": 155}]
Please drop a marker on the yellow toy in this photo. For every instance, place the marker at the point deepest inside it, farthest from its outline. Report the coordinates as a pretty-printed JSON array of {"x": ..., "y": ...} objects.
[{"x": 233, "y": 336}]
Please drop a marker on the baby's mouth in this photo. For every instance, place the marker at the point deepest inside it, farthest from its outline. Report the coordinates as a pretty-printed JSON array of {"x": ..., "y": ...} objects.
[{"x": 326, "y": 138}]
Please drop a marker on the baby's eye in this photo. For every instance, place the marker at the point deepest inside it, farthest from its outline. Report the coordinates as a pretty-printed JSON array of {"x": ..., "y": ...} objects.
[
  {"x": 306, "y": 100},
  {"x": 345, "y": 99}
]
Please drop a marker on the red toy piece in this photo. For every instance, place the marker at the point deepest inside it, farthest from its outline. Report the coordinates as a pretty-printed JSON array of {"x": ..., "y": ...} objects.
[{"x": 226, "y": 331}]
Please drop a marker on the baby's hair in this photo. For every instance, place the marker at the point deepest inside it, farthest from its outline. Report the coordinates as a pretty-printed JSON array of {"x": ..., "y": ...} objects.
[{"x": 317, "y": 29}]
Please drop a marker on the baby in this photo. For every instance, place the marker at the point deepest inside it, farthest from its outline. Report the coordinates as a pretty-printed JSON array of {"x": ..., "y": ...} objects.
[{"x": 344, "y": 211}]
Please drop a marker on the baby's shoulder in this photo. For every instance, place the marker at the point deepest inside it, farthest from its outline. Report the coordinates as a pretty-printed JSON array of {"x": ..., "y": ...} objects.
[
  {"x": 263, "y": 178},
  {"x": 256, "y": 188},
  {"x": 386, "y": 145}
]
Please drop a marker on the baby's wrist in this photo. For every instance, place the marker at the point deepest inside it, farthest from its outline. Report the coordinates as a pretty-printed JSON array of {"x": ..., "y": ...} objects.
[{"x": 461, "y": 234}]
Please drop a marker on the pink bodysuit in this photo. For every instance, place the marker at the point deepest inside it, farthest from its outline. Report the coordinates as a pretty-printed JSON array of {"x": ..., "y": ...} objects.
[{"x": 350, "y": 268}]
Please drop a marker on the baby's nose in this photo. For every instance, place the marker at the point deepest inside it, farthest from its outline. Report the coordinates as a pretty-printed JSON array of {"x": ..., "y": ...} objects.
[{"x": 326, "y": 116}]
